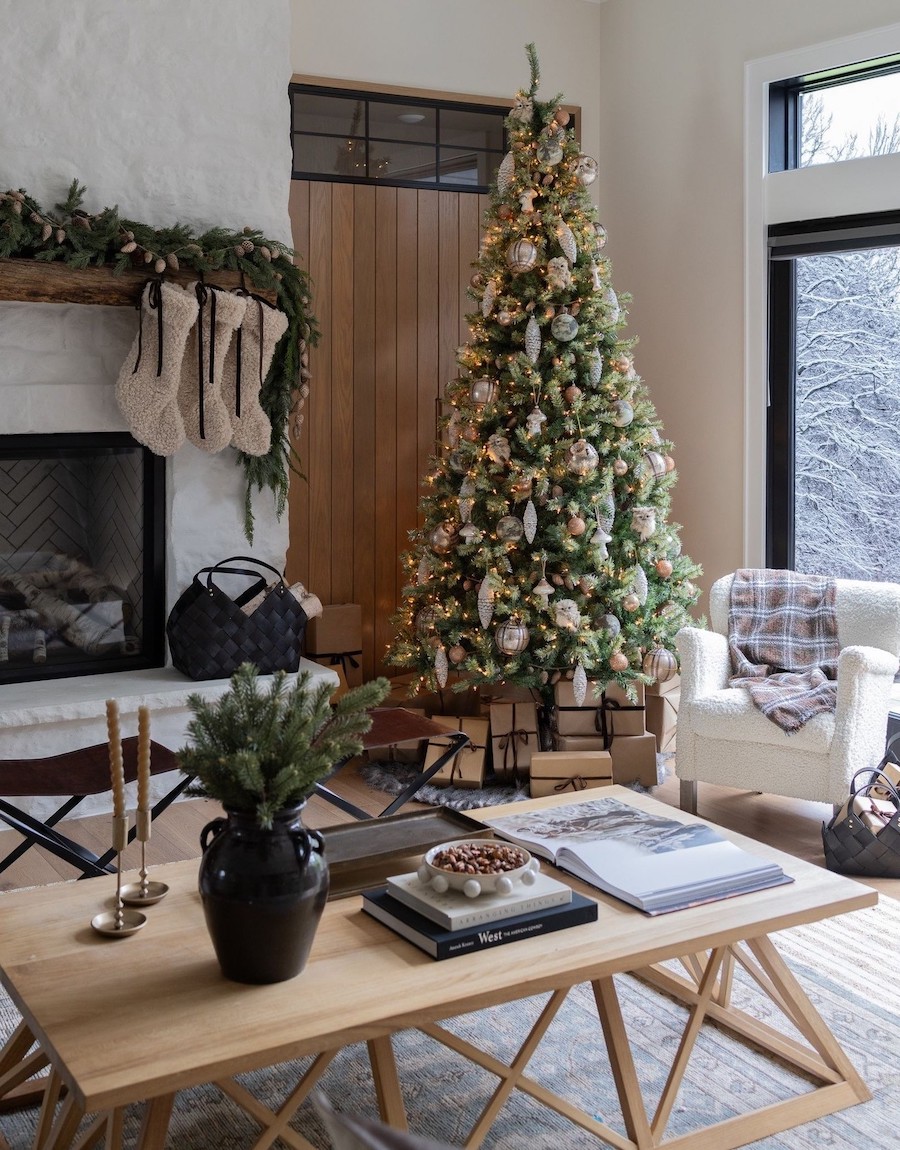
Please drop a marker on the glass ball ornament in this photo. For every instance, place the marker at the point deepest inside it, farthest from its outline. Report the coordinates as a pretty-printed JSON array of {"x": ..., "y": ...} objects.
[
  {"x": 631, "y": 602},
  {"x": 510, "y": 529},
  {"x": 581, "y": 458},
  {"x": 620, "y": 467},
  {"x": 483, "y": 391},
  {"x": 663, "y": 568},
  {"x": 456, "y": 654},
  {"x": 618, "y": 661},
  {"x": 654, "y": 463},
  {"x": 512, "y": 636},
  {"x": 610, "y": 624},
  {"x": 564, "y": 327},
  {"x": 622, "y": 413},
  {"x": 521, "y": 256},
  {"x": 505, "y": 318},
  {"x": 442, "y": 538},
  {"x": 549, "y": 150},
  {"x": 586, "y": 170},
  {"x": 660, "y": 664}
]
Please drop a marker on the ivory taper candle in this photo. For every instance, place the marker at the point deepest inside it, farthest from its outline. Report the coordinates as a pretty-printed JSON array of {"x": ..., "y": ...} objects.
[
  {"x": 143, "y": 761},
  {"x": 116, "y": 765}
]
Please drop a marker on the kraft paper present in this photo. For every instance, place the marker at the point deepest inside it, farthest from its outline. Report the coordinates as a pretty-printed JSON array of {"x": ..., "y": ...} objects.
[
  {"x": 662, "y": 718},
  {"x": 634, "y": 760},
  {"x": 667, "y": 688},
  {"x": 467, "y": 767},
  {"x": 514, "y": 737},
  {"x": 610, "y": 712},
  {"x": 580, "y": 743},
  {"x": 337, "y": 631},
  {"x": 569, "y": 772},
  {"x": 348, "y": 669}
]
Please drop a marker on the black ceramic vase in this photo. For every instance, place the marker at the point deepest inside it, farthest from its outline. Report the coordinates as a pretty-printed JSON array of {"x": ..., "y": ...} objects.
[{"x": 263, "y": 893}]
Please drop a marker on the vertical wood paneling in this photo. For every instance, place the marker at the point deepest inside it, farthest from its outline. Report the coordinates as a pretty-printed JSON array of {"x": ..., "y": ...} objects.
[
  {"x": 427, "y": 328},
  {"x": 365, "y": 443},
  {"x": 320, "y": 449},
  {"x": 389, "y": 268},
  {"x": 387, "y": 429},
  {"x": 297, "y": 566},
  {"x": 344, "y": 245}
]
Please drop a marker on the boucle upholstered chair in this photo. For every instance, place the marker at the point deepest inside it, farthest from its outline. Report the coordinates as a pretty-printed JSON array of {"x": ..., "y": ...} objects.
[{"x": 724, "y": 739}]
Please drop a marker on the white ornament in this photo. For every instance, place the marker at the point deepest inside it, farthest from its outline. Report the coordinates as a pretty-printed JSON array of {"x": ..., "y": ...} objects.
[
  {"x": 486, "y": 602},
  {"x": 487, "y": 300},
  {"x": 530, "y": 521},
  {"x": 579, "y": 685},
  {"x": 599, "y": 540},
  {"x": 559, "y": 277},
  {"x": 534, "y": 421},
  {"x": 606, "y": 512},
  {"x": 611, "y": 300},
  {"x": 566, "y": 615},
  {"x": 423, "y": 574},
  {"x": 643, "y": 522},
  {"x": 544, "y": 590},
  {"x": 505, "y": 173},
  {"x": 441, "y": 667},
  {"x": 469, "y": 533},
  {"x": 596, "y": 281},
  {"x": 639, "y": 584},
  {"x": 532, "y": 339},
  {"x": 466, "y": 501},
  {"x": 567, "y": 241}
]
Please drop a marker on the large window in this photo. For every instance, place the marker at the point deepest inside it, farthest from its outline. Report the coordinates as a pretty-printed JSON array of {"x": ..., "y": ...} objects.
[
  {"x": 366, "y": 137},
  {"x": 833, "y": 467}
]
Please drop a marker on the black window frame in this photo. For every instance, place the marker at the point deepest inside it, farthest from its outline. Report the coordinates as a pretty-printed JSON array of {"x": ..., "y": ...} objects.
[
  {"x": 786, "y": 242},
  {"x": 367, "y": 97}
]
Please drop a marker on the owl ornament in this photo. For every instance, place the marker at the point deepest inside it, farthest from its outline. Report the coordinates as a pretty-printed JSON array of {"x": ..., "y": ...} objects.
[
  {"x": 522, "y": 110},
  {"x": 526, "y": 200},
  {"x": 559, "y": 277},
  {"x": 566, "y": 615},
  {"x": 643, "y": 522},
  {"x": 498, "y": 449}
]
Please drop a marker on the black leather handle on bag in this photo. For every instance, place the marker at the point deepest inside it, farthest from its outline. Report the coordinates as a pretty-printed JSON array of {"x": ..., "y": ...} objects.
[{"x": 223, "y": 570}]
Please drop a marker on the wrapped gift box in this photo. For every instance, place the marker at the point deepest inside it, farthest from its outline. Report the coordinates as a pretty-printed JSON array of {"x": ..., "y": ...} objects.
[
  {"x": 443, "y": 702},
  {"x": 347, "y": 668},
  {"x": 621, "y": 715},
  {"x": 569, "y": 772},
  {"x": 667, "y": 688},
  {"x": 466, "y": 769},
  {"x": 634, "y": 760},
  {"x": 514, "y": 737},
  {"x": 337, "y": 631},
  {"x": 662, "y": 717}
]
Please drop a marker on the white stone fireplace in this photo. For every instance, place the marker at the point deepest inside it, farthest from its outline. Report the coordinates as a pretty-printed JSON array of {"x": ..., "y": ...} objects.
[{"x": 176, "y": 113}]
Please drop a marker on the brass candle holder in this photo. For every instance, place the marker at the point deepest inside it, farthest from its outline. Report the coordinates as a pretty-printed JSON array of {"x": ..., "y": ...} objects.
[
  {"x": 143, "y": 893},
  {"x": 120, "y": 921}
]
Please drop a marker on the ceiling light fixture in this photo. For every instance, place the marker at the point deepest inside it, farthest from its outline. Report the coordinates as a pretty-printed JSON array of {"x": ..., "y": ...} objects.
[{"x": 411, "y": 117}]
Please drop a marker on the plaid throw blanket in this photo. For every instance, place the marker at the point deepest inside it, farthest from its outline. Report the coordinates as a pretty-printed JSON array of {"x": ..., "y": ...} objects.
[{"x": 782, "y": 636}]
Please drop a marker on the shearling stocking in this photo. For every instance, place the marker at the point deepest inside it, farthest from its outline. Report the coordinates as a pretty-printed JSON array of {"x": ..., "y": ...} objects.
[
  {"x": 206, "y": 420},
  {"x": 148, "y": 381},
  {"x": 246, "y": 367}
]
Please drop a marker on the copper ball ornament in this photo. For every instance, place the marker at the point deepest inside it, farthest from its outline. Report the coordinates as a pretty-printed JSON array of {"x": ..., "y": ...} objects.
[
  {"x": 631, "y": 602},
  {"x": 660, "y": 665},
  {"x": 618, "y": 661},
  {"x": 663, "y": 568},
  {"x": 576, "y": 525},
  {"x": 572, "y": 392},
  {"x": 670, "y": 463},
  {"x": 456, "y": 654},
  {"x": 620, "y": 467},
  {"x": 511, "y": 637},
  {"x": 561, "y": 116}
]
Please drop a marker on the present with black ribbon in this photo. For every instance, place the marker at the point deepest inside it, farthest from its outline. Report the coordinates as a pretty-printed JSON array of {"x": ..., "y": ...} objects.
[
  {"x": 607, "y": 713},
  {"x": 334, "y": 638},
  {"x": 514, "y": 738},
  {"x": 633, "y": 756},
  {"x": 467, "y": 767},
  {"x": 568, "y": 772},
  {"x": 662, "y": 717}
]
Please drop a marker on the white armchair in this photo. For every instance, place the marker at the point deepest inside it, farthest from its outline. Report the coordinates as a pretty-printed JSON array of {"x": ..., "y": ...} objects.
[{"x": 724, "y": 739}]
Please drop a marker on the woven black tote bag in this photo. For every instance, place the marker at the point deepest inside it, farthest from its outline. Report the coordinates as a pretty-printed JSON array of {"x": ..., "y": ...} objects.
[
  {"x": 851, "y": 845},
  {"x": 210, "y": 635}
]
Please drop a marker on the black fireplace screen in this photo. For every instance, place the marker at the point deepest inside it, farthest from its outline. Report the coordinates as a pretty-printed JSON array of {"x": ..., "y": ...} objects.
[{"x": 82, "y": 559}]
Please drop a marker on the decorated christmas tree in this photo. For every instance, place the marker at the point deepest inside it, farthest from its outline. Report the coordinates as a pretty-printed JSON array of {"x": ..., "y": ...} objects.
[{"x": 544, "y": 550}]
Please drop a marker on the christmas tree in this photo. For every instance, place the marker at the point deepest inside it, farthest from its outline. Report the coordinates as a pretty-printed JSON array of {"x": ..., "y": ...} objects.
[{"x": 545, "y": 550}]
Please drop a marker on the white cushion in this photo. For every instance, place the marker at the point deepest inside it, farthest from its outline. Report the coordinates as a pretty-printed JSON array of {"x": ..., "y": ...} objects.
[{"x": 730, "y": 714}]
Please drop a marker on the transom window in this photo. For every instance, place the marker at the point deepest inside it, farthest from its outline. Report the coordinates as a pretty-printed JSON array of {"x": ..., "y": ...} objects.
[{"x": 365, "y": 137}]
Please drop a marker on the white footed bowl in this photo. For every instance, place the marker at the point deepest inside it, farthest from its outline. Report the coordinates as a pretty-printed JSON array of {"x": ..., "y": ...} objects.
[{"x": 472, "y": 885}]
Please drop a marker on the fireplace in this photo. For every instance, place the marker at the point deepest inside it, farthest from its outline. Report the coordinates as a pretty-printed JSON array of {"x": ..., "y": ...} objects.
[{"x": 82, "y": 555}]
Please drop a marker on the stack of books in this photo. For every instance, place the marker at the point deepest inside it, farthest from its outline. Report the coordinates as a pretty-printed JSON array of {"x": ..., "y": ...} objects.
[{"x": 447, "y": 924}]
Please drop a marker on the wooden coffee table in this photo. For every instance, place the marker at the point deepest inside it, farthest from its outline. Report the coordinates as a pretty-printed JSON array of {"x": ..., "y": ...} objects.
[{"x": 140, "y": 1018}]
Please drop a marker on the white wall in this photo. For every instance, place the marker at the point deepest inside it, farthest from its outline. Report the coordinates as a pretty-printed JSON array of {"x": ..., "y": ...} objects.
[
  {"x": 673, "y": 72},
  {"x": 176, "y": 110}
]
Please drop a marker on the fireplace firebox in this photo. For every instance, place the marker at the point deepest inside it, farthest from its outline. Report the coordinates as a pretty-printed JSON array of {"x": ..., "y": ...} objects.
[{"x": 82, "y": 555}]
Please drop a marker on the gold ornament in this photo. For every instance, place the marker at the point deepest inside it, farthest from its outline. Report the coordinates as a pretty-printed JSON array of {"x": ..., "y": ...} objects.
[
  {"x": 581, "y": 458},
  {"x": 483, "y": 391},
  {"x": 618, "y": 661},
  {"x": 663, "y": 568},
  {"x": 576, "y": 525},
  {"x": 670, "y": 463},
  {"x": 456, "y": 654},
  {"x": 620, "y": 467},
  {"x": 572, "y": 392},
  {"x": 631, "y": 602}
]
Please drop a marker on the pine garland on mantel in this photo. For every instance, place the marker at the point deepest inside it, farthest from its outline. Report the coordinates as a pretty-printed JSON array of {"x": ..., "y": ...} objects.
[{"x": 80, "y": 239}]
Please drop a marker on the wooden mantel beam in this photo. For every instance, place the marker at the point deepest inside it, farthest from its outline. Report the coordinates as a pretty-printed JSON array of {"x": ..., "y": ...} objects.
[{"x": 36, "y": 281}]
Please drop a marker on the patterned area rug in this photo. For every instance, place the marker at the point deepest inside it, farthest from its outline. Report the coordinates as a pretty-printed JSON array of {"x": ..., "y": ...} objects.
[{"x": 847, "y": 966}]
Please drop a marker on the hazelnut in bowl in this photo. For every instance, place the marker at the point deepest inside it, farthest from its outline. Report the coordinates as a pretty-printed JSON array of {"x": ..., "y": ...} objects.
[{"x": 476, "y": 866}]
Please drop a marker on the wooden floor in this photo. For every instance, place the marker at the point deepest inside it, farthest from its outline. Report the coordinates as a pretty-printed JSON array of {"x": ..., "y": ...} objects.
[{"x": 792, "y": 825}]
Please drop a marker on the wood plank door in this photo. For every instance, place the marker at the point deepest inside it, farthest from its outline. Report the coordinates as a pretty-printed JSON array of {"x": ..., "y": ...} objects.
[{"x": 390, "y": 268}]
